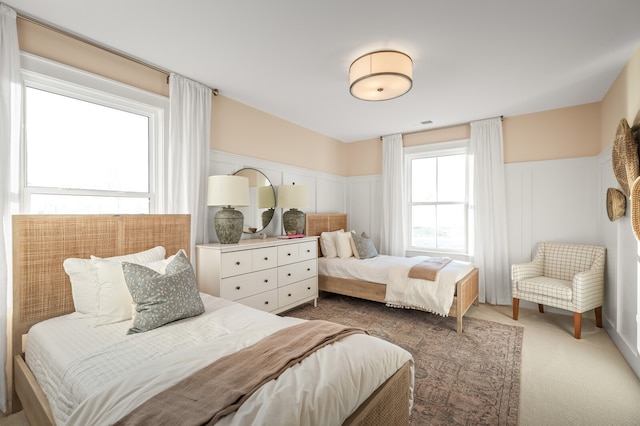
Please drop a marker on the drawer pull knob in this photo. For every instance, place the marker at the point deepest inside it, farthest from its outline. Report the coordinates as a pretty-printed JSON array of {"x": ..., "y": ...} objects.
[
  {"x": 266, "y": 303},
  {"x": 266, "y": 281},
  {"x": 308, "y": 251},
  {"x": 289, "y": 294},
  {"x": 238, "y": 263},
  {"x": 266, "y": 258},
  {"x": 308, "y": 288},
  {"x": 288, "y": 254},
  {"x": 238, "y": 287},
  {"x": 288, "y": 275},
  {"x": 308, "y": 269}
]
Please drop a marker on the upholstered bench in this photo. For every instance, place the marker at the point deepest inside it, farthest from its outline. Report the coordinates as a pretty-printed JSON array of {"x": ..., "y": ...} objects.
[{"x": 565, "y": 276}]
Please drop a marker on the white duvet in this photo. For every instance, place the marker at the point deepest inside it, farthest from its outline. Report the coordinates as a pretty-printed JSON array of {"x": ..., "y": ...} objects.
[
  {"x": 95, "y": 375},
  {"x": 401, "y": 291}
]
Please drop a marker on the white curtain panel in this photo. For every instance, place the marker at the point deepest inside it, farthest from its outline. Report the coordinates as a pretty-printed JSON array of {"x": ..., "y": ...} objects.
[
  {"x": 393, "y": 201},
  {"x": 10, "y": 119},
  {"x": 490, "y": 211},
  {"x": 188, "y": 153}
]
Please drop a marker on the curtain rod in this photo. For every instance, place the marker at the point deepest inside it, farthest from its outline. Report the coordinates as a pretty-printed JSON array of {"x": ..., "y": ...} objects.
[
  {"x": 501, "y": 117},
  {"x": 101, "y": 46}
]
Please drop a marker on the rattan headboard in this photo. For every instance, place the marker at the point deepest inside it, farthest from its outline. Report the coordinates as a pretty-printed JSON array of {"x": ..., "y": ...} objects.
[
  {"x": 317, "y": 223},
  {"x": 41, "y": 243}
]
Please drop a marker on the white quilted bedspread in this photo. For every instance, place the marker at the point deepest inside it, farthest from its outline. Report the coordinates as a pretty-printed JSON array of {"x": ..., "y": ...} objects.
[{"x": 97, "y": 375}]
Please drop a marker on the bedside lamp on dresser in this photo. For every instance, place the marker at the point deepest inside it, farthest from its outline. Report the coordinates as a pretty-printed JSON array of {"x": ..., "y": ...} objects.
[{"x": 228, "y": 191}]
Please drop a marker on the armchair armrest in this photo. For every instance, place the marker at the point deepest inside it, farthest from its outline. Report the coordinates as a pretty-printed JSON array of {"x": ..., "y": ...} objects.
[
  {"x": 522, "y": 271},
  {"x": 588, "y": 289}
]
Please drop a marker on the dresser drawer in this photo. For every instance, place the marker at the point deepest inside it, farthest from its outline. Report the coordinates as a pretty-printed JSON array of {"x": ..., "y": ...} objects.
[
  {"x": 294, "y": 292},
  {"x": 267, "y": 301},
  {"x": 287, "y": 254},
  {"x": 265, "y": 258},
  {"x": 240, "y": 286},
  {"x": 235, "y": 263},
  {"x": 297, "y": 271},
  {"x": 308, "y": 250}
]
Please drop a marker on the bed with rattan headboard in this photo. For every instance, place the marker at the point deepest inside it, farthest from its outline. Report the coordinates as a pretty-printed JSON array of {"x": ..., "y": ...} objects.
[
  {"x": 41, "y": 290},
  {"x": 316, "y": 223}
]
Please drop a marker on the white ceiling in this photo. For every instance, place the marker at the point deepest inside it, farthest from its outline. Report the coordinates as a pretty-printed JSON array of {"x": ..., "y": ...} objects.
[{"x": 473, "y": 59}]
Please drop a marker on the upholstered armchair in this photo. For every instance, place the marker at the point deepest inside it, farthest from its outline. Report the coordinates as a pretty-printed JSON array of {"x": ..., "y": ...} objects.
[{"x": 565, "y": 276}]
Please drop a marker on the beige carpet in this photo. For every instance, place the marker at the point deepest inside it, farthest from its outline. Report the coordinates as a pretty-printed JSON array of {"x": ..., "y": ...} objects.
[{"x": 564, "y": 381}]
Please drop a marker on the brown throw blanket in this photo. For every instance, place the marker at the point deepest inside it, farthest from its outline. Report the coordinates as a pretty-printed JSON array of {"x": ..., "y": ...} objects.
[
  {"x": 222, "y": 386},
  {"x": 428, "y": 270}
]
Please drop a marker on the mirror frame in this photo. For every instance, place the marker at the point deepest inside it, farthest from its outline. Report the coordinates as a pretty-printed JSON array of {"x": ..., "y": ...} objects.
[{"x": 259, "y": 217}]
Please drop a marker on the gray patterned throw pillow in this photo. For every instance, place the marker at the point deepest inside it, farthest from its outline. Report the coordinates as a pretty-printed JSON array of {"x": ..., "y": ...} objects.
[
  {"x": 363, "y": 247},
  {"x": 162, "y": 298}
]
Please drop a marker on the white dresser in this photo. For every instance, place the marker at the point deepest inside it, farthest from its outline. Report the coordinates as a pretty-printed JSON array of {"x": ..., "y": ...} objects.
[{"x": 269, "y": 274}]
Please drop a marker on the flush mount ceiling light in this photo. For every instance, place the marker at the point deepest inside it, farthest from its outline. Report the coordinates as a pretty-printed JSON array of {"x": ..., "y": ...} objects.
[{"x": 382, "y": 75}]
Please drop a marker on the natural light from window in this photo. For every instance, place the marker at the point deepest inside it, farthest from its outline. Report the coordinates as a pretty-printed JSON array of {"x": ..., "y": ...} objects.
[
  {"x": 438, "y": 203},
  {"x": 82, "y": 157}
]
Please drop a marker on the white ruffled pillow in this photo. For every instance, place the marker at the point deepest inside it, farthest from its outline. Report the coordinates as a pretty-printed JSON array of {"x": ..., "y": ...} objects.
[
  {"x": 84, "y": 279},
  {"x": 328, "y": 243}
]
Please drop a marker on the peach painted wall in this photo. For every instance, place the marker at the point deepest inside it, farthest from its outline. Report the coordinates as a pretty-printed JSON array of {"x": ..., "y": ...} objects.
[
  {"x": 621, "y": 101},
  {"x": 239, "y": 129},
  {"x": 58, "y": 47},
  {"x": 555, "y": 134}
]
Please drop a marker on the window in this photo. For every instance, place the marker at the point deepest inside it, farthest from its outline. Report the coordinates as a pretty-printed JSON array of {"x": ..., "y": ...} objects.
[
  {"x": 91, "y": 146},
  {"x": 438, "y": 197}
]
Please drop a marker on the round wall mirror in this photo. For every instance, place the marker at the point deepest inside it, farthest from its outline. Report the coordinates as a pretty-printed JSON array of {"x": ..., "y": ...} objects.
[{"x": 262, "y": 201}]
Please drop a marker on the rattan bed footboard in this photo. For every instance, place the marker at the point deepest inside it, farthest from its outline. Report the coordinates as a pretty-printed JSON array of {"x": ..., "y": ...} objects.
[{"x": 466, "y": 292}]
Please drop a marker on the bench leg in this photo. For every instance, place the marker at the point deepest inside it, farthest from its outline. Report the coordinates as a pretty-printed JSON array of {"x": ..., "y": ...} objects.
[
  {"x": 577, "y": 324},
  {"x": 599, "y": 316},
  {"x": 541, "y": 308},
  {"x": 516, "y": 305}
]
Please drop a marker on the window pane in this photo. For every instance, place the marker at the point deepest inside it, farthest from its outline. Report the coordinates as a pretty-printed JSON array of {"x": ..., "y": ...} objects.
[
  {"x": 78, "y": 204},
  {"x": 81, "y": 145},
  {"x": 423, "y": 180},
  {"x": 451, "y": 227},
  {"x": 423, "y": 226},
  {"x": 451, "y": 178}
]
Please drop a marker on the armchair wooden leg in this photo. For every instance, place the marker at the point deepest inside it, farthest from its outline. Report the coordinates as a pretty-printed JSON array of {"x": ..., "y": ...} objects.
[
  {"x": 599, "y": 316},
  {"x": 516, "y": 304},
  {"x": 541, "y": 308},
  {"x": 577, "y": 324}
]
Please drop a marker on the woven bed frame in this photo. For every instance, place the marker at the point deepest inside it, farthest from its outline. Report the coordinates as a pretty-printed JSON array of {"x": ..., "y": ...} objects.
[
  {"x": 41, "y": 290},
  {"x": 466, "y": 288}
]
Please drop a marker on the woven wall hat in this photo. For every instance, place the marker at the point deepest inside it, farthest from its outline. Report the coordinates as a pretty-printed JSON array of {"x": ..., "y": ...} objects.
[
  {"x": 616, "y": 204},
  {"x": 624, "y": 157}
]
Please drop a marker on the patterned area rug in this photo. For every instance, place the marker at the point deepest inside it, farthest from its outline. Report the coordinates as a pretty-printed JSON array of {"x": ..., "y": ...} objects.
[{"x": 473, "y": 378}]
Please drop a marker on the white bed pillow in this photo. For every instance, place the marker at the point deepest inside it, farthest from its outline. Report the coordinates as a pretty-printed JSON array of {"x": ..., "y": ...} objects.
[
  {"x": 115, "y": 302},
  {"x": 343, "y": 244},
  {"x": 84, "y": 281},
  {"x": 328, "y": 243}
]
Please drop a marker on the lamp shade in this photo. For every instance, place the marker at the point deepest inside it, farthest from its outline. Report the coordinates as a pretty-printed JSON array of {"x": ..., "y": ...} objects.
[
  {"x": 266, "y": 199},
  {"x": 227, "y": 190},
  {"x": 382, "y": 75},
  {"x": 292, "y": 196}
]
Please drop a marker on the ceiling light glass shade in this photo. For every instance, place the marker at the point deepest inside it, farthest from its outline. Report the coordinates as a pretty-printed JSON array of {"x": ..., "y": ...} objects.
[
  {"x": 292, "y": 196},
  {"x": 379, "y": 76},
  {"x": 227, "y": 190}
]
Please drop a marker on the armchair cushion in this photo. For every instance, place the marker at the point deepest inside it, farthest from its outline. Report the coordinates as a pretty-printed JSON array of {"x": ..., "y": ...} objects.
[{"x": 559, "y": 289}]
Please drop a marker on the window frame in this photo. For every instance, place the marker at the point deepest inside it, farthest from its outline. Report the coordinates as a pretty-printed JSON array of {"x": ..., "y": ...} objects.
[
  {"x": 43, "y": 74},
  {"x": 431, "y": 151}
]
